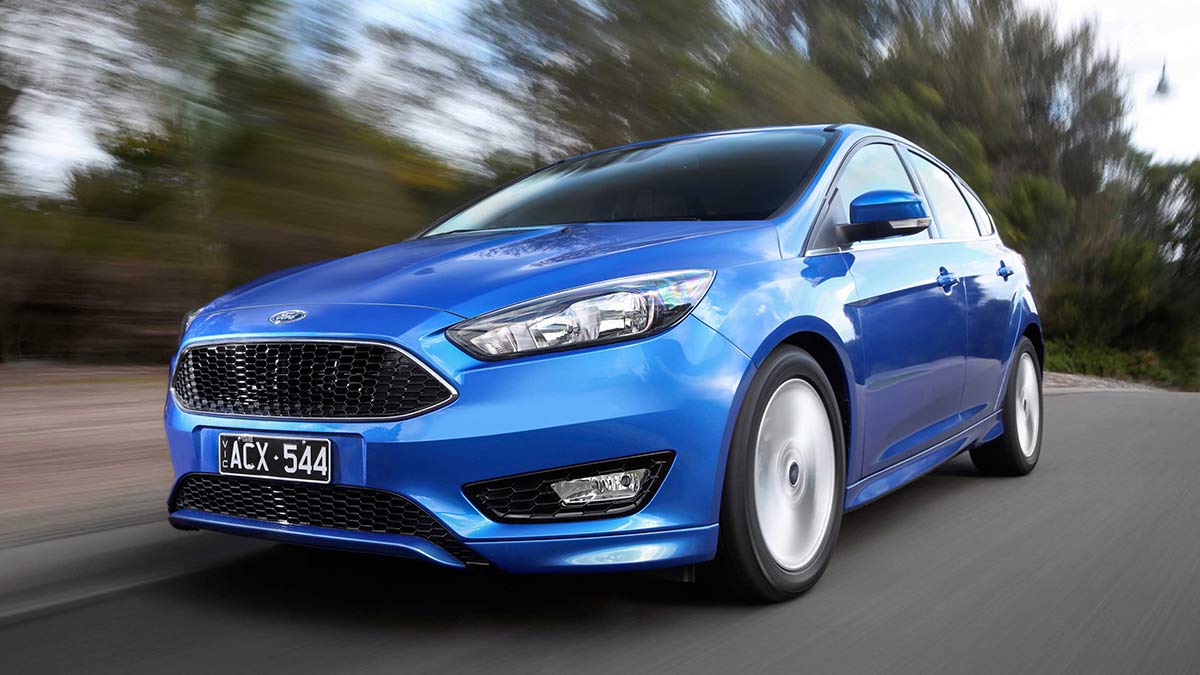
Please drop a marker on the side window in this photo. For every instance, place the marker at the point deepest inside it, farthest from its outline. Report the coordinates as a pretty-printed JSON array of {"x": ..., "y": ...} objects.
[
  {"x": 950, "y": 210},
  {"x": 986, "y": 226},
  {"x": 872, "y": 167}
]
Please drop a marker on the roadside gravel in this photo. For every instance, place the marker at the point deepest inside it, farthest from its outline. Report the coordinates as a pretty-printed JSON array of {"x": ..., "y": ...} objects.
[{"x": 1070, "y": 381}]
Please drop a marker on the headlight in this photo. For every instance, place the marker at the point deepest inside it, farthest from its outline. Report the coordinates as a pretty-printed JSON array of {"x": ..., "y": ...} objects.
[
  {"x": 621, "y": 309},
  {"x": 186, "y": 322}
]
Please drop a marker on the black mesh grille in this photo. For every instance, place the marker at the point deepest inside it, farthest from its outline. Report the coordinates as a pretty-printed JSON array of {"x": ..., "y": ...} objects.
[
  {"x": 529, "y": 497},
  {"x": 340, "y": 507},
  {"x": 311, "y": 380}
]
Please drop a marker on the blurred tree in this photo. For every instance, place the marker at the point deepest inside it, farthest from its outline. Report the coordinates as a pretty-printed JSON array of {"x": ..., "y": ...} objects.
[
  {"x": 600, "y": 74},
  {"x": 605, "y": 73},
  {"x": 150, "y": 171},
  {"x": 249, "y": 165},
  {"x": 758, "y": 85},
  {"x": 11, "y": 83},
  {"x": 244, "y": 137}
]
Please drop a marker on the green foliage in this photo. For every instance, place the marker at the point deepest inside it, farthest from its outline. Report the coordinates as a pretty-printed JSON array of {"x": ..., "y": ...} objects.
[
  {"x": 1035, "y": 213},
  {"x": 616, "y": 71},
  {"x": 1107, "y": 295},
  {"x": 757, "y": 85},
  {"x": 1144, "y": 365},
  {"x": 913, "y": 112},
  {"x": 263, "y": 160},
  {"x": 149, "y": 173}
]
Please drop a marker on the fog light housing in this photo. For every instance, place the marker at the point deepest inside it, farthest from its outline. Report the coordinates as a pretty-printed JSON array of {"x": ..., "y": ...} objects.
[{"x": 606, "y": 489}]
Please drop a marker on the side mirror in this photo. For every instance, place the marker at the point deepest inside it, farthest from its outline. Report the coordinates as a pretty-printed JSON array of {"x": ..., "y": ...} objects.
[{"x": 880, "y": 214}]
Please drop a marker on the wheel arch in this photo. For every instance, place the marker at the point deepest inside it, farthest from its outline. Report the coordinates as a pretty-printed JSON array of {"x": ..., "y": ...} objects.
[
  {"x": 835, "y": 369},
  {"x": 839, "y": 356},
  {"x": 1033, "y": 331}
]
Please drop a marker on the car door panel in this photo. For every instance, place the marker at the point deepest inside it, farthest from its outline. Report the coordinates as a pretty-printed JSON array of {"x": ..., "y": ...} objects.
[
  {"x": 912, "y": 328},
  {"x": 993, "y": 281},
  {"x": 991, "y": 302},
  {"x": 913, "y": 332}
]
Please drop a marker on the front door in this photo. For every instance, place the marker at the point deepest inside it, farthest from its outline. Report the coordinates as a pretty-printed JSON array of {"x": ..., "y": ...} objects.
[
  {"x": 912, "y": 318},
  {"x": 912, "y": 313}
]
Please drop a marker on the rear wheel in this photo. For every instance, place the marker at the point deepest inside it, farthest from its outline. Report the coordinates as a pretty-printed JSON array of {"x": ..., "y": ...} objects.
[
  {"x": 784, "y": 481},
  {"x": 1016, "y": 452}
]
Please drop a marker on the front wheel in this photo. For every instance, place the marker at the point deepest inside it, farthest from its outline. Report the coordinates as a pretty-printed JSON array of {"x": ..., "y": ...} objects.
[
  {"x": 784, "y": 481},
  {"x": 1016, "y": 452}
]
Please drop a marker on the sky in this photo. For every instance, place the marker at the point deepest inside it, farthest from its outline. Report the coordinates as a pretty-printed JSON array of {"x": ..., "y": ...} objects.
[{"x": 1145, "y": 33}]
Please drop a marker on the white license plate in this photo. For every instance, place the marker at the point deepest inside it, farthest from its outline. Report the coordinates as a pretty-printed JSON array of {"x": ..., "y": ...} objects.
[{"x": 277, "y": 457}]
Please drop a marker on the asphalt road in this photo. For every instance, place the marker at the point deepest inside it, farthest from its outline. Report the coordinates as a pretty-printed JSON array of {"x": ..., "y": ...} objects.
[{"x": 1090, "y": 564}]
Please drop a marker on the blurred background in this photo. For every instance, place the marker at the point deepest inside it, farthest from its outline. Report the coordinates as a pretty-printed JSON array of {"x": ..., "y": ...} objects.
[{"x": 154, "y": 153}]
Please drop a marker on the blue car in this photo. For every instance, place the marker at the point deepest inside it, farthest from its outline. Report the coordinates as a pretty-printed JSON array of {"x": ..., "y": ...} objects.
[{"x": 702, "y": 349}]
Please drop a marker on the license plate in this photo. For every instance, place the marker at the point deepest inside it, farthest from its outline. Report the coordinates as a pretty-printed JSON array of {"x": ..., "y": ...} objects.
[{"x": 300, "y": 459}]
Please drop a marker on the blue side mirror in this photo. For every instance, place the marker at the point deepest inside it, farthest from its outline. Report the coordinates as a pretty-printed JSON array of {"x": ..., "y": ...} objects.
[{"x": 880, "y": 214}]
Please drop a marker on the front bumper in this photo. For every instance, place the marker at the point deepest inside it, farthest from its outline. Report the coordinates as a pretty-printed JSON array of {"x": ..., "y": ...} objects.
[{"x": 674, "y": 391}]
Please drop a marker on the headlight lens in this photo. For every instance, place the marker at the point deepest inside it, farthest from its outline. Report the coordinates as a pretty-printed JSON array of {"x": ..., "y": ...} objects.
[
  {"x": 187, "y": 322},
  {"x": 609, "y": 311}
]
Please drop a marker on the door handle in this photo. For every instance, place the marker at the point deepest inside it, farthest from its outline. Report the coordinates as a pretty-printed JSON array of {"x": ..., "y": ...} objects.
[
  {"x": 947, "y": 279},
  {"x": 1005, "y": 271}
]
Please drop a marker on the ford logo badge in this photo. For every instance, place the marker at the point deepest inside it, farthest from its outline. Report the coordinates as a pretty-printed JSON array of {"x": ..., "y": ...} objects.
[{"x": 288, "y": 316}]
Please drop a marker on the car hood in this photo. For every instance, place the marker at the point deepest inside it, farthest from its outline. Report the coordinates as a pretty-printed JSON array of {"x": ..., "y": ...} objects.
[{"x": 473, "y": 272}]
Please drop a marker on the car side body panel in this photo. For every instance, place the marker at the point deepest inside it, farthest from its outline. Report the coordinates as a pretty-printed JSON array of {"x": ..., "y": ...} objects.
[{"x": 914, "y": 335}]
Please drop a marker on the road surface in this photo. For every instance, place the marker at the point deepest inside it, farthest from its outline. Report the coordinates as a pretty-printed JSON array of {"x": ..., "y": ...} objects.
[{"x": 1091, "y": 564}]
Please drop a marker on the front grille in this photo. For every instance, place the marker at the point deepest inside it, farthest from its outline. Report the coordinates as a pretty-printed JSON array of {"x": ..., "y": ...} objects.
[
  {"x": 529, "y": 498},
  {"x": 306, "y": 380},
  {"x": 340, "y": 507}
]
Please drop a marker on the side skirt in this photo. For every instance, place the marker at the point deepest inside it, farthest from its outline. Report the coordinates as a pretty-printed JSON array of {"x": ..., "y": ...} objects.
[{"x": 892, "y": 478}]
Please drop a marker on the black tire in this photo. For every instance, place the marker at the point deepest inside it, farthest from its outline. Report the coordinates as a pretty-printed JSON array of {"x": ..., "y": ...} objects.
[
  {"x": 744, "y": 565},
  {"x": 1004, "y": 456}
]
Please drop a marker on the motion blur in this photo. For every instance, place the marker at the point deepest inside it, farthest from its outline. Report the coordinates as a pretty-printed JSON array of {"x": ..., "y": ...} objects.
[
  {"x": 158, "y": 152},
  {"x": 155, "y": 154}
]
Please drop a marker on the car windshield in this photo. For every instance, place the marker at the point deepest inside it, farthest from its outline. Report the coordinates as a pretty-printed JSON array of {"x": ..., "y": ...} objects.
[{"x": 743, "y": 176}]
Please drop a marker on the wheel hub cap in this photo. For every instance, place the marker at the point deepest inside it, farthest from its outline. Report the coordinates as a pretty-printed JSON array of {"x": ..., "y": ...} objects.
[
  {"x": 794, "y": 475},
  {"x": 1029, "y": 405}
]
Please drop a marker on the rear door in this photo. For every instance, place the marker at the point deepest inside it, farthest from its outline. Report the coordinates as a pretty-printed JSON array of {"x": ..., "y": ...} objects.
[
  {"x": 913, "y": 327},
  {"x": 992, "y": 285}
]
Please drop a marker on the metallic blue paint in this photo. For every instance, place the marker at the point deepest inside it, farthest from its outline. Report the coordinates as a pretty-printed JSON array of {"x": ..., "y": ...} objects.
[
  {"x": 886, "y": 206},
  {"x": 922, "y": 364}
]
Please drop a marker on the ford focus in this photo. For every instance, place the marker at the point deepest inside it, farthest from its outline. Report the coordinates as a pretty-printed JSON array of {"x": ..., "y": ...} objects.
[{"x": 697, "y": 351}]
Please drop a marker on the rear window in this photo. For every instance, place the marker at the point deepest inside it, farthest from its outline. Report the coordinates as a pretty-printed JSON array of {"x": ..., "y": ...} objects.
[
  {"x": 745, "y": 176},
  {"x": 951, "y": 212},
  {"x": 982, "y": 217}
]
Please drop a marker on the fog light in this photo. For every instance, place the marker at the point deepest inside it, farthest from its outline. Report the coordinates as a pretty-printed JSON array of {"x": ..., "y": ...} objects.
[
  {"x": 603, "y": 489},
  {"x": 608, "y": 487}
]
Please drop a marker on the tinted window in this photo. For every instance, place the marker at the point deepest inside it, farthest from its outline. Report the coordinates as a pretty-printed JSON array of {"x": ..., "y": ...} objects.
[
  {"x": 744, "y": 176},
  {"x": 872, "y": 167},
  {"x": 982, "y": 217},
  {"x": 951, "y": 212}
]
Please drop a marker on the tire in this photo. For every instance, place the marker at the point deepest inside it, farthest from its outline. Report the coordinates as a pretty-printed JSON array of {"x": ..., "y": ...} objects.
[
  {"x": 1016, "y": 451},
  {"x": 785, "y": 482}
]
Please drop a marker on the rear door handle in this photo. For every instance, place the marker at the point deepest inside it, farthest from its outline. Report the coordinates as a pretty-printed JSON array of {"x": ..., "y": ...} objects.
[
  {"x": 1005, "y": 271},
  {"x": 946, "y": 279}
]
